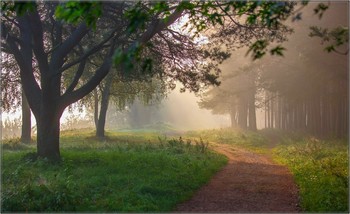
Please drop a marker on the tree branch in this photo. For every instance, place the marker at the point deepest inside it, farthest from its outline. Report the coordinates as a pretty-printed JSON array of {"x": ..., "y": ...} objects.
[
  {"x": 76, "y": 77},
  {"x": 24, "y": 59},
  {"x": 100, "y": 73},
  {"x": 38, "y": 41},
  {"x": 89, "y": 52},
  {"x": 159, "y": 26},
  {"x": 62, "y": 50}
]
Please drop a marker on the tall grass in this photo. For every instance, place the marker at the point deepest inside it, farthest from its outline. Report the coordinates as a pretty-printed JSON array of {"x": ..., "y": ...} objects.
[
  {"x": 320, "y": 169},
  {"x": 246, "y": 139},
  {"x": 125, "y": 173}
]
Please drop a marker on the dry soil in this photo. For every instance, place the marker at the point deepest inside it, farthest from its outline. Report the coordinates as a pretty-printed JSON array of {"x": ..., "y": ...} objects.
[{"x": 250, "y": 182}]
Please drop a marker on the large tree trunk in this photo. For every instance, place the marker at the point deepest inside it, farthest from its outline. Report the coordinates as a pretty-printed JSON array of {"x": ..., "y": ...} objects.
[
  {"x": 26, "y": 121},
  {"x": 48, "y": 132}
]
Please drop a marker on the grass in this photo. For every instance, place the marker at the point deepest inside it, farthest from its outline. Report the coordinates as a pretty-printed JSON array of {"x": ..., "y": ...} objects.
[
  {"x": 320, "y": 167},
  {"x": 246, "y": 139},
  {"x": 140, "y": 171},
  {"x": 128, "y": 172}
]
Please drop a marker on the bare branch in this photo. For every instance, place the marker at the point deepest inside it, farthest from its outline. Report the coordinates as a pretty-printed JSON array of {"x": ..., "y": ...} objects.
[
  {"x": 101, "y": 72},
  {"x": 88, "y": 53},
  {"x": 24, "y": 59},
  {"x": 159, "y": 25},
  {"x": 61, "y": 52},
  {"x": 38, "y": 41},
  {"x": 77, "y": 76}
]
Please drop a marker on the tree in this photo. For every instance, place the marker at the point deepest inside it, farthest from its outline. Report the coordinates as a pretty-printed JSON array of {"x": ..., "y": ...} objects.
[
  {"x": 12, "y": 95},
  {"x": 46, "y": 100},
  {"x": 34, "y": 35},
  {"x": 123, "y": 93},
  {"x": 235, "y": 96},
  {"x": 308, "y": 91}
]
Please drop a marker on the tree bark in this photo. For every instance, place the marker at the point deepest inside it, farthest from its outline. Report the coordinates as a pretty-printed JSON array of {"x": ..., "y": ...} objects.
[
  {"x": 233, "y": 117},
  {"x": 26, "y": 121},
  {"x": 251, "y": 107},
  {"x": 101, "y": 122},
  {"x": 48, "y": 132},
  {"x": 242, "y": 113},
  {"x": 96, "y": 108},
  {"x": 252, "y": 115}
]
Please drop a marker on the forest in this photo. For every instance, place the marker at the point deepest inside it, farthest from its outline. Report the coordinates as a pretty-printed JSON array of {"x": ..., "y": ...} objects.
[{"x": 174, "y": 106}]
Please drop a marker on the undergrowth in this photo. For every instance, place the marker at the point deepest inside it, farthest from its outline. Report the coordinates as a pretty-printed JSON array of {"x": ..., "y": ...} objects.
[
  {"x": 320, "y": 169},
  {"x": 246, "y": 139},
  {"x": 124, "y": 173}
]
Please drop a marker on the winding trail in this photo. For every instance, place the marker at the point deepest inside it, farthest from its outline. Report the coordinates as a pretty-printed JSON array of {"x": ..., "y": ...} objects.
[{"x": 248, "y": 183}]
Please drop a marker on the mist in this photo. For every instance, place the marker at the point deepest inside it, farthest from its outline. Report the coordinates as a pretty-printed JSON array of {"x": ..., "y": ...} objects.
[
  {"x": 182, "y": 111},
  {"x": 175, "y": 106},
  {"x": 304, "y": 59}
]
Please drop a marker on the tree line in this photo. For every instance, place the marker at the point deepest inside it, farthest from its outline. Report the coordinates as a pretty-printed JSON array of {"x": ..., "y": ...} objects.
[
  {"x": 307, "y": 91},
  {"x": 64, "y": 51}
]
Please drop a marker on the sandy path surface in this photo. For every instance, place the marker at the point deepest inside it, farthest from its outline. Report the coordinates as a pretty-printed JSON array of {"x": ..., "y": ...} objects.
[{"x": 248, "y": 183}]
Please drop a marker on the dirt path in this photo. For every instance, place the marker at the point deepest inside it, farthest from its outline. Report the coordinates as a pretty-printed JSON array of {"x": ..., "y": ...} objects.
[{"x": 249, "y": 183}]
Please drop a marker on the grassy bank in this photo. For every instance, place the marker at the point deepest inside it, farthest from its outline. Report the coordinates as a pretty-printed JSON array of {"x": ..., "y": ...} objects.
[
  {"x": 320, "y": 167},
  {"x": 246, "y": 139},
  {"x": 126, "y": 172}
]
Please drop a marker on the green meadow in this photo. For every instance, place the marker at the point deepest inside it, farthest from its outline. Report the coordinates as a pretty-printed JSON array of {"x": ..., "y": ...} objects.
[
  {"x": 146, "y": 171},
  {"x": 127, "y": 172}
]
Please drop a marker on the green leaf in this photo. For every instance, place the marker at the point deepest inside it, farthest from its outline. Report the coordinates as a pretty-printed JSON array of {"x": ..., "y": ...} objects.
[
  {"x": 277, "y": 51},
  {"x": 19, "y": 7},
  {"x": 258, "y": 49},
  {"x": 118, "y": 56},
  {"x": 329, "y": 48},
  {"x": 137, "y": 17},
  {"x": 75, "y": 12},
  {"x": 320, "y": 9}
]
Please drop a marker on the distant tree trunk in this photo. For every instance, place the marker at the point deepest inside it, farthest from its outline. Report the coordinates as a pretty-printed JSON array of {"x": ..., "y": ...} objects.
[
  {"x": 272, "y": 111},
  {"x": 242, "y": 112},
  {"x": 96, "y": 108},
  {"x": 26, "y": 121},
  {"x": 251, "y": 108},
  {"x": 101, "y": 123},
  {"x": 265, "y": 118},
  {"x": 252, "y": 116},
  {"x": 268, "y": 112},
  {"x": 134, "y": 121},
  {"x": 233, "y": 117}
]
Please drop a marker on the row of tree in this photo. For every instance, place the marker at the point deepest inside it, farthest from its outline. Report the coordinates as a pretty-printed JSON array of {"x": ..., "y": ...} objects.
[
  {"x": 307, "y": 91},
  {"x": 236, "y": 97},
  {"x": 63, "y": 51}
]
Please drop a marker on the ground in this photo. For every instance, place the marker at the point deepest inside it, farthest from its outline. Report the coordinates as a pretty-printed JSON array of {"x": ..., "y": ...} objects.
[{"x": 250, "y": 182}]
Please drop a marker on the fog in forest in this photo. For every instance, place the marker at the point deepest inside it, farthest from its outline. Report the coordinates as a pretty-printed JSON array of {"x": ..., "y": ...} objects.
[{"x": 287, "y": 91}]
